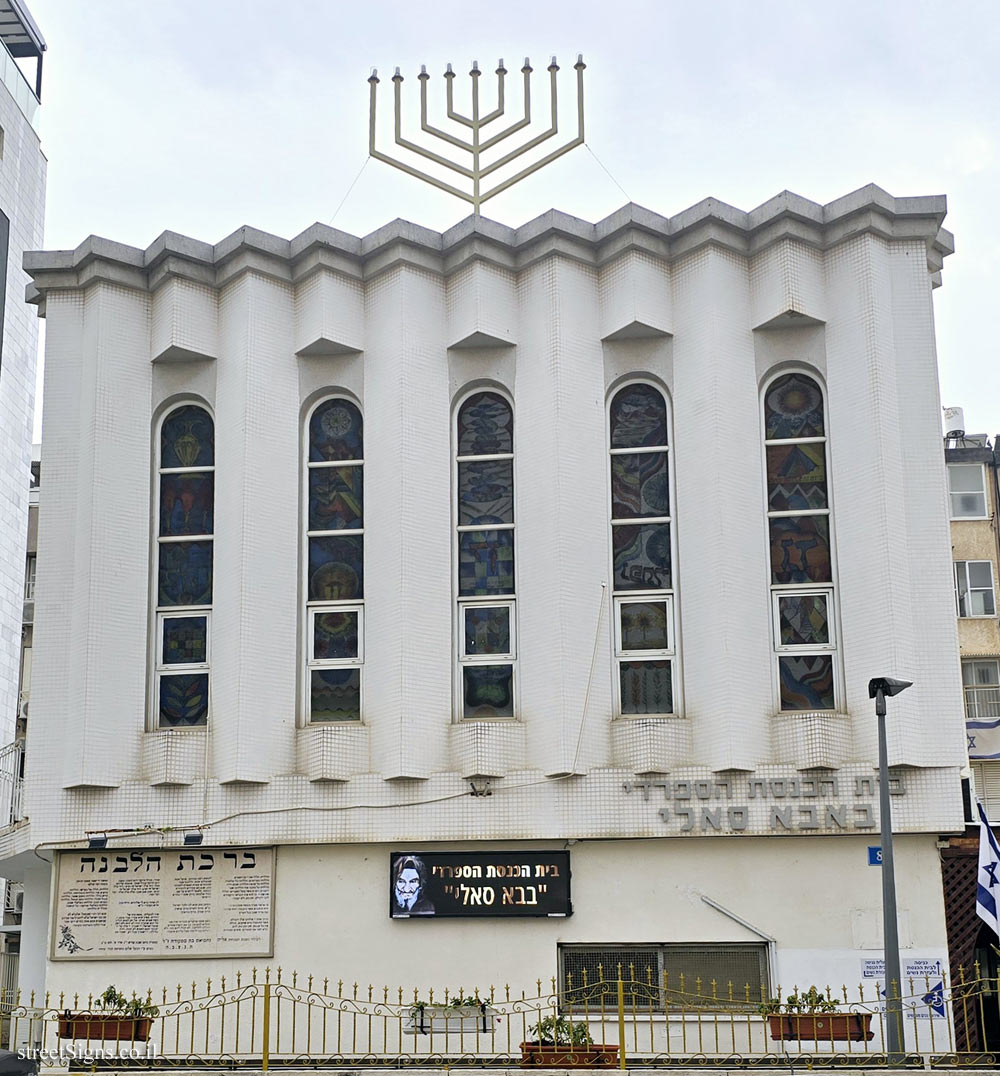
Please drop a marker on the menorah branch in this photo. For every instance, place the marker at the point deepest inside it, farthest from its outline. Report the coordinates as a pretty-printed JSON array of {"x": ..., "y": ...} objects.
[
  {"x": 413, "y": 147},
  {"x": 523, "y": 122},
  {"x": 578, "y": 141},
  {"x": 538, "y": 139},
  {"x": 475, "y": 123}
]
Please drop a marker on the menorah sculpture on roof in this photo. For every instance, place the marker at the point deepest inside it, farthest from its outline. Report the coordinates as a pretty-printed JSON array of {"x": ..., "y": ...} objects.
[{"x": 478, "y": 145}]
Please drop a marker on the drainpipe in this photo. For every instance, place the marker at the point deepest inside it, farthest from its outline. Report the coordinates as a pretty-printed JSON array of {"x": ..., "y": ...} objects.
[{"x": 996, "y": 492}]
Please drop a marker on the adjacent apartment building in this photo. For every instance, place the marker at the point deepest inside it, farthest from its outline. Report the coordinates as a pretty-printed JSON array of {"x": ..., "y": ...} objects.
[
  {"x": 375, "y": 571},
  {"x": 973, "y": 499},
  {"x": 22, "y": 205},
  {"x": 971, "y": 462}
]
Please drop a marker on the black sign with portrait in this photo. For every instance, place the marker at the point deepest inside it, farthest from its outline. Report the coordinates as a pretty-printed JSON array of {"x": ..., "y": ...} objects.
[{"x": 435, "y": 885}]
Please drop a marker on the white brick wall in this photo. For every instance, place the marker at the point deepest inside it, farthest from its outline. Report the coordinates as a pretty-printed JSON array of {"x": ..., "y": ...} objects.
[{"x": 707, "y": 287}]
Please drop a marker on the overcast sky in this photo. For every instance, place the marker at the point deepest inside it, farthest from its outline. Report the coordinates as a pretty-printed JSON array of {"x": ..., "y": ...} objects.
[{"x": 199, "y": 116}]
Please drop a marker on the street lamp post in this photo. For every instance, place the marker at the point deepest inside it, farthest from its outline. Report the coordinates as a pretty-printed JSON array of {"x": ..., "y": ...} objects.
[{"x": 879, "y": 689}]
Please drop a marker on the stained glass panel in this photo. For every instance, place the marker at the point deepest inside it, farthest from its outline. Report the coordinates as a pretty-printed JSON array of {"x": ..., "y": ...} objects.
[
  {"x": 336, "y": 498},
  {"x": 806, "y": 682},
  {"x": 638, "y": 418},
  {"x": 642, "y": 557},
  {"x": 183, "y": 700},
  {"x": 800, "y": 549},
  {"x": 643, "y": 625},
  {"x": 187, "y": 438},
  {"x": 335, "y": 432},
  {"x": 803, "y": 620},
  {"x": 335, "y": 695},
  {"x": 646, "y": 687},
  {"x": 185, "y": 574},
  {"x": 488, "y": 691},
  {"x": 185, "y": 640},
  {"x": 796, "y": 477},
  {"x": 639, "y": 485},
  {"x": 486, "y": 492},
  {"x": 335, "y": 635},
  {"x": 485, "y": 562},
  {"x": 186, "y": 502},
  {"x": 336, "y": 568},
  {"x": 793, "y": 407},
  {"x": 487, "y": 629},
  {"x": 485, "y": 426}
]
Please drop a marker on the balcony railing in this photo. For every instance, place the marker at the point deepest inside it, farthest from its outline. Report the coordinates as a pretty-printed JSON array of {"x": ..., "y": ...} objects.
[
  {"x": 11, "y": 783},
  {"x": 17, "y": 84}
]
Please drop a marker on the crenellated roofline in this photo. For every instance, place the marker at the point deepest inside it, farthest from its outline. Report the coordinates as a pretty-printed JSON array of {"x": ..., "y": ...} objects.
[{"x": 869, "y": 210}]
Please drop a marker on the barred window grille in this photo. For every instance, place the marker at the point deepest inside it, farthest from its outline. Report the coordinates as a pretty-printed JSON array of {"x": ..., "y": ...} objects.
[{"x": 671, "y": 976}]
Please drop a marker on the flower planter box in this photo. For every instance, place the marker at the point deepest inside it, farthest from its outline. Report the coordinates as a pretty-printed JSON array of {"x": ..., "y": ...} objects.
[
  {"x": 468, "y": 1020},
  {"x": 105, "y": 1028},
  {"x": 595, "y": 1056},
  {"x": 821, "y": 1026}
]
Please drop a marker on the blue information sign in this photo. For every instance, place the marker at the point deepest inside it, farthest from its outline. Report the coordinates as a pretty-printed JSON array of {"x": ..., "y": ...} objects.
[{"x": 874, "y": 855}]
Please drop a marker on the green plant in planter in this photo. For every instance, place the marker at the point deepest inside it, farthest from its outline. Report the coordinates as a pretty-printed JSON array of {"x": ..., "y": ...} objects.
[
  {"x": 805, "y": 1002},
  {"x": 459, "y": 1000},
  {"x": 560, "y": 1031},
  {"x": 115, "y": 1003}
]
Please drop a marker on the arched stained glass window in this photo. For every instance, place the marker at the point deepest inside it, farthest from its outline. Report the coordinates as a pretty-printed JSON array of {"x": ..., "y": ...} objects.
[
  {"x": 335, "y": 576},
  {"x": 186, "y": 524},
  {"x": 641, "y": 546},
  {"x": 485, "y": 538},
  {"x": 801, "y": 566}
]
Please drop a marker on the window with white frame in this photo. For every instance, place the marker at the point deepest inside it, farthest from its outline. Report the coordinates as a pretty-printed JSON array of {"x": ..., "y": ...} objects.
[
  {"x": 29, "y": 578},
  {"x": 974, "y": 588},
  {"x": 486, "y": 629},
  {"x": 981, "y": 683},
  {"x": 334, "y": 554},
  {"x": 186, "y": 478},
  {"x": 803, "y": 605},
  {"x": 967, "y": 490},
  {"x": 642, "y": 571}
]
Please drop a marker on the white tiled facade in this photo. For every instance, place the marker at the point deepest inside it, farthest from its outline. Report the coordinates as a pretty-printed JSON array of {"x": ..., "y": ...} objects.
[
  {"x": 708, "y": 306},
  {"x": 22, "y": 199}
]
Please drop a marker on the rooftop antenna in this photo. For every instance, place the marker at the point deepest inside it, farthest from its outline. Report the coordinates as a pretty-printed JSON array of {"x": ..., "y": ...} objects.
[{"x": 475, "y": 190}]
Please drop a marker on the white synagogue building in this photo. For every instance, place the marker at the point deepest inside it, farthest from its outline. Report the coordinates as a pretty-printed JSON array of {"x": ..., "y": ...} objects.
[{"x": 570, "y": 543}]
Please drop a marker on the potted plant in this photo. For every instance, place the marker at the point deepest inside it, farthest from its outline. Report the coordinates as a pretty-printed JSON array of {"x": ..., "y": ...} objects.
[
  {"x": 117, "y": 1018},
  {"x": 811, "y": 1015},
  {"x": 561, "y": 1043},
  {"x": 462, "y": 1014}
]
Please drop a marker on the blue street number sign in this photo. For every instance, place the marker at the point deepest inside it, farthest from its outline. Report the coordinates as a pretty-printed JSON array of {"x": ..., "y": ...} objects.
[{"x": 874, "y": 855}]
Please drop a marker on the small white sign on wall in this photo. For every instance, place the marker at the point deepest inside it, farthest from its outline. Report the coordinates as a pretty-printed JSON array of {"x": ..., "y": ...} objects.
[{"x": 923, "y": 986}]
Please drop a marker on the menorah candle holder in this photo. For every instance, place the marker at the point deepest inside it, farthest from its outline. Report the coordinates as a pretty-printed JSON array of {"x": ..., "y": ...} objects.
[{"x": 476, "y": 145}]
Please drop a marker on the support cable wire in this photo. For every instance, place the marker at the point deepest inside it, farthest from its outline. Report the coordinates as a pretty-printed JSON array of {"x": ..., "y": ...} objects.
[
  {"x": 609, "y": 175},
  {"x": 349, "y": 189},
  {"x": 590, "y": 678}
]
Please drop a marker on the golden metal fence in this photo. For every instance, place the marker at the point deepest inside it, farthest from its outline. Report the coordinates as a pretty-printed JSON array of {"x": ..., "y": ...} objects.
[{"x": 630, "y": 1018}]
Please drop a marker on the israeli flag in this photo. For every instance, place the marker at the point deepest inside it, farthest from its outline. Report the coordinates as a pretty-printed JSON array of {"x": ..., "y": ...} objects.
[{"x": 988, "y": 889}]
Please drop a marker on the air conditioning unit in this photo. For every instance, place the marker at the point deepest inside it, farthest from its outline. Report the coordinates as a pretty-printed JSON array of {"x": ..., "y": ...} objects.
[
  {"x": 22, "y": 710},
  {"x": 19, "y": 901}
]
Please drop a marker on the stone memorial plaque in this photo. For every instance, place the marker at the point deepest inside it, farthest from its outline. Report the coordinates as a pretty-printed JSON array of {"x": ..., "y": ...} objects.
[{"x": 124, "y": 904}]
